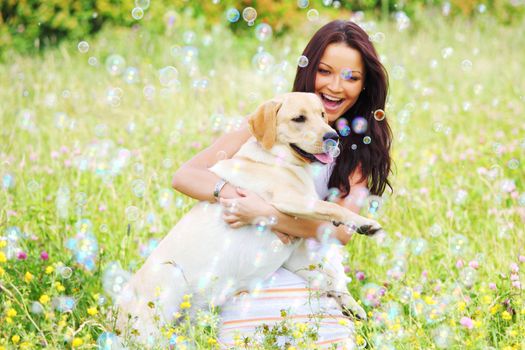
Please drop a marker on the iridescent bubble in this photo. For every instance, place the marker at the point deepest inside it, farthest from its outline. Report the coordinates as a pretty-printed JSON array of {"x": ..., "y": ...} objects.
[
  {"x": 188, "y": 37},
  {"x": 447, "y": 52},
  {"x": 435, "y": 230},
  {"x": 64, "y": 271},
  {"x": 263, "y": 32},
  {"x": 138, "y": 187},
  {"x": 359, "y": 125},
  {"x": 466, "y": 65},
  {"x": 165, "y": 198},
  {"x": 32, "y": 186},
  {"x": 374, "y": 204},
  {"x": 367, "y": 140},
  {"x": 513, "y": 164},
  {"x": 249, "y": 14},
  {"x": 303, "y": 3},
  {"x": 114, "y": 278},
  {"x": 132, "y": 213},
  {"x": 443, "y": 337},
  {"x": 312, "y": 15},
  {"x": 302, "y": 61},
  {"x": 189, "y": 54},
  {"x": 379, "y": 114},
  {"x": 83, "y": 47},
  {"x": 458, "y": 244},
  {"x": 232, "y": 15},
  {"x": 327, "y": 2},
  {"x": 418, "y": 245},
  {"x": 329, "y": 145},
  {"x": 149, "y": 247},
  {"x": 92, "y": 61},
  {"x": 131, "y": 75},
  {"x": 371, "y": 294},
  {"x": 405, "y": 295},
  {"x": 168, "y": 76},
  {"x": 109, "y": 341},
  {"x": 143, "y": 4},
  {"x": 261, "y": 224},
  {"x": 137, "y": 13},
  {"x": 115, "y": 64},
  {"x": 325, "y": 233},
  {"x": 277, "y": 245},
  {"x": 263, "y": 62},
  {"x": 63, "y": 303},
  {"x": 8, "y": 181},
  {"x": 353, "y": 147},
  {"x": 36, "y": 308},
  {"x": 81, "y": 198},
  {"x": 346, "y": 74},
  {"x": 468, "y": 277}
]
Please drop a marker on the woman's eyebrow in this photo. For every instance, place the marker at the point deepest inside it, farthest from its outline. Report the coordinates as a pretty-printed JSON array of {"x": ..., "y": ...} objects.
[{"x": 329, "y": 66}]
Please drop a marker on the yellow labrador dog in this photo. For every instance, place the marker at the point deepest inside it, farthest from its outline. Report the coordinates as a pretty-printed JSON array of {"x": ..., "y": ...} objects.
[{"x": 203, "y": 256}]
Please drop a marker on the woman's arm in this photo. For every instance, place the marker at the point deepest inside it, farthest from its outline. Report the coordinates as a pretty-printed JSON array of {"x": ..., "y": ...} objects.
[
  {"x": 289, "y": 225},
  {"x": 193, "y": 177}
]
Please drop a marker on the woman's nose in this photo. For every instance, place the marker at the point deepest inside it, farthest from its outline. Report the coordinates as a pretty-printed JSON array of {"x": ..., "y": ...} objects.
[{"x": 335, "y": 83}]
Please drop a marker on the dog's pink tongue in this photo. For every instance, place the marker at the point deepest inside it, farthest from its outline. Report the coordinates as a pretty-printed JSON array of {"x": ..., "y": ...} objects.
[{"x": 324, "y": 158}]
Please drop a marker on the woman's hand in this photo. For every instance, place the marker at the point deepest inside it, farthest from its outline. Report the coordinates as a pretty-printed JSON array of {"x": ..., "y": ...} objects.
[{"x": 245, "y": 209}]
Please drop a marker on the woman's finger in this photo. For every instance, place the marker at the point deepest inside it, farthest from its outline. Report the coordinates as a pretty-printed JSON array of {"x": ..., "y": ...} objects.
[
  {"x": 237, "y": 224},
  {"x": 283, "y": 237}
]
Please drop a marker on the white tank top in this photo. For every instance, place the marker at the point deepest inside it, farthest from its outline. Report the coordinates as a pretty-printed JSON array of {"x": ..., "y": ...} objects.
[{"x": 321, "y": 175}]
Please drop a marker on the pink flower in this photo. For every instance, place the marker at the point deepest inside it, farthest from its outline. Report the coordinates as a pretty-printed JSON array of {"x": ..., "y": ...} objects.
[
  {"x": 466, "y": 322},
  {"x": 514, "y": 267},
  {"x": 44, "y": 255},
  {"x": 21, "y": 255},
  {"x": 459, "y": 263},
  {"x": 473, "y": 264},
  {"x": 516, "y": 284},
  {"x": 492, "y": 286},
  {"x": 521, "y": 258},
  {"x": 360, "y": 275}
]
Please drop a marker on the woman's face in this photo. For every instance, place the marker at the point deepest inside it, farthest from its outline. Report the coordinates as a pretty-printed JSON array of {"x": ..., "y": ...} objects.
[{"x": 339, "y": 79}]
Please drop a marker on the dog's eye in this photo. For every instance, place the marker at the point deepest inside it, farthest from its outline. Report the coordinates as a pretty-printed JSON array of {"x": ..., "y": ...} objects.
[{"x": 299, "y": 119}]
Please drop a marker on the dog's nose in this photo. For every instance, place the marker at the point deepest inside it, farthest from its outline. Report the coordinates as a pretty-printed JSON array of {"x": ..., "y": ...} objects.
[{"x": 331, "y": 136}]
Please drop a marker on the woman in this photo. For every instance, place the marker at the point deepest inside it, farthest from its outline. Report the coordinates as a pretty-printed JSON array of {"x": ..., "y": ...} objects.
[{"x": 345, "y": 72}]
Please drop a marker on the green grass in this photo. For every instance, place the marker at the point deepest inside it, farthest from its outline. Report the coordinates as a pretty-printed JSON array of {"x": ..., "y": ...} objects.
[{"x": 458, "y": 150}]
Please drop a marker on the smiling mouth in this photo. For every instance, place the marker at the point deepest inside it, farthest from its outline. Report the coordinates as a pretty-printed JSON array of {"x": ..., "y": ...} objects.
[
  {"x": 331, "y": 102},
  {"x": 324, "y": 158}
]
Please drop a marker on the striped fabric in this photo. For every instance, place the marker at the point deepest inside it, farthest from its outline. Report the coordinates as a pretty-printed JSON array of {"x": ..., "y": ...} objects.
[{"x": 285, "y": 290}]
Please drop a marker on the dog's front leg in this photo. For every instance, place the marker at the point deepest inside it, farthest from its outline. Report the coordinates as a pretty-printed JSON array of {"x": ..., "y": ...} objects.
[
  {"x": 316, "y": 209},
  {"x": 326, "y": 274}
]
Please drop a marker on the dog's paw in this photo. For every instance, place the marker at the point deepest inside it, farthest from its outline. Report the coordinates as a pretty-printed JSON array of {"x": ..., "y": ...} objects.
[
  {"x": 369, "y": 229},
  {"x": 348, "y": 305}
]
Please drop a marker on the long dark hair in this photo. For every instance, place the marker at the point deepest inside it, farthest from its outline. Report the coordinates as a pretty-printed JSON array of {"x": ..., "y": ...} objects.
[{"x": 374, "y": 157}]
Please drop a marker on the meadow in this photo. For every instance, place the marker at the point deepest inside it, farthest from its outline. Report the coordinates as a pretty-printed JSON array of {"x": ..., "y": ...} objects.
[{"x": 93, "y": 131}]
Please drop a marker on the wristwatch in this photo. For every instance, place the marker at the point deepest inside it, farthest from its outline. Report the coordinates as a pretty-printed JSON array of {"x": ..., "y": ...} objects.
[{"x": 218, "y": 187}]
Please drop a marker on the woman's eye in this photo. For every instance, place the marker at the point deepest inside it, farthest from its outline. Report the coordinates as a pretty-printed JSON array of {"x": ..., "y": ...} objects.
[
  {"x": 322, "y": 71},
  {"x": 299, "y": 119}
]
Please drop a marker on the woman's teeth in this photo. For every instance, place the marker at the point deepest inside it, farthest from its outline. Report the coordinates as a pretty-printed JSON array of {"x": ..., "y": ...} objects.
[{"x": 331, "y": 102}]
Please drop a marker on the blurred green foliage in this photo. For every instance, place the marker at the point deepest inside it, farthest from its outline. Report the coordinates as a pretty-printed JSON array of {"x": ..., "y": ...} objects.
[{"x": 29, "y": 25}]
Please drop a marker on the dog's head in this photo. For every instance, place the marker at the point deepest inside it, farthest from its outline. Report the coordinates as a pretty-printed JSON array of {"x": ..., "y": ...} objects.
[{"x": 297, "y": 121}]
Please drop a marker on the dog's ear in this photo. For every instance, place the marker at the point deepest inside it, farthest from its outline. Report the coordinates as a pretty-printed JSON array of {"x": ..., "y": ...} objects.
[{"x": 263, "y": 123}]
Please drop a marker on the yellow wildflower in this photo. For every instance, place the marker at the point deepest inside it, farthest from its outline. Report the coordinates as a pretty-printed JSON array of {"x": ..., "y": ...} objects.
[
  {"x": 185, "y": 305},
  {"x": 28, "y": 277},
  {"x": 506, "y": 315},
  {"x": 11, "y": 312},
  {"x": 92, "y": 311},
  {"x": 9, "y": 320},
  {"x": 50, "y": 269},
  {"x": 486, "y": 299},
  {"x": 44, "y": 299},
  {"x": 343, "y": 322},
  {"x": 462, "y": 305},
  {"x": 15, "y": 339},
  {"x": 212, "y": 341},
  {"x": 187, "y": 297},
  {"x": 494, "y": 309},
  {"x": 428, "y": 299},
  {"x": 359, "y": 340},
  {"x": 77, "y": 342},
  {"x": 291, "y": 348},
  {"x": 3, "y": 258},
  {"x": 3, "y": 243},
  {"x": 26, "y": 345},
  {"x": 2, "y": 272},
  {"x": 416, "y": 295},
  {"x": 59, "y": 287}
]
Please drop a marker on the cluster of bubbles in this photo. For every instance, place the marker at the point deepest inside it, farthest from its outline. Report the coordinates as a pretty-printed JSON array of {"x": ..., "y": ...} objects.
[
  {"x": 114, "y": 279},
  {"x": 342, "y": 126},
  {"x": 140, "y": 6},
  {"x": 103, "y": 158},
  {"x": 84, "y": 244},
  {"x": 13, "y": 236},
  {"x": 109, "y": 341}
]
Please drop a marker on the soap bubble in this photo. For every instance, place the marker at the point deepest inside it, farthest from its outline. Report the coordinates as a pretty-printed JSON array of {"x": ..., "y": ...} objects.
[
  {"x": 303, "y": 3},
  {"x": 115, "y": 64},
  {"x": 379, "y": 114},
  {"x": 114, "y": 278},
  {"x": 458, "y": 244},
  {"x": 137, "y": 13},
  {"x": 63, "y": 303},
  {"x": 83, "y": 47},
  {"x": 312, "y": 15},
  {"x": 302, "y": 61},
  {"x": 168, "y": 76},
  {"x": 109, "y": 341},
  {"x": 263, "y": 32},
  {"x": 249, "y": 14},
  {"x": 233, "y": 15},
  {"x": 359, "y": 125}
]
